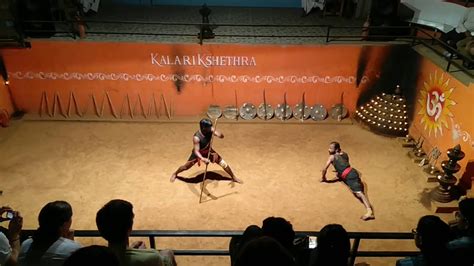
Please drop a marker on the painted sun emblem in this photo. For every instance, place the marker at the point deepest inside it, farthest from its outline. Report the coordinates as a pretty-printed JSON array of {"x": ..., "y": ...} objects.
[{"x": 435, "y": 102}]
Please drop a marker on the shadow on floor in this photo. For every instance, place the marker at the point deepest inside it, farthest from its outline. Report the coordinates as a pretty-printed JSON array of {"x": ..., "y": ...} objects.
[
  {"x": 216, "y": 176},
  {"x": 425, "y": 198},
  {"x": 212, "y": 180}
]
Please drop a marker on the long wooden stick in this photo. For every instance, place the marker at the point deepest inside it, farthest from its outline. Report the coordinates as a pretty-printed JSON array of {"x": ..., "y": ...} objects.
[
  {"x": 166, "y": 106},
  {"x": 91, "y": 99},
  {"x": 47, "y": 104},
  {"x": 304, "y": 106},
  {"x": 60, "y": 105},
  {"x": 54, "y": 104},
  {"x": 141, "y": 105},
  {"x": 111, "y": 105},
  {"x": 156, "y": 108},
  {"x": 208, "y": 156},
  {"x": 69, "y": 105},
  {"x": 57, "y": 101},
  {"x": 150, "y": 105},
  {"x": 78, "y": 111},
  {"x": 130, "y": 106},
  {"x": 264, "y": 104},
  {"x": 342, "y": 107},
  {"x": 171, "y": 106},
  {"x": 95, "y": 105},
  {"x": 236, "y": 105},
  {"x": 44, "y": 100}
]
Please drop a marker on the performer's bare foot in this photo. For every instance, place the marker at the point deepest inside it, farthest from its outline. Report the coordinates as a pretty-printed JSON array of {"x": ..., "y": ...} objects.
[
  {"x": 368, "y": 216},
  {"x": 173, "y": 177},
  {"x": 235, "y": 179}
]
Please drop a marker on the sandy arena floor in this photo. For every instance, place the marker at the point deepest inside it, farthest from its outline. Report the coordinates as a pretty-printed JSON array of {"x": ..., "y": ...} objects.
[{"x": 90, "y": 163}]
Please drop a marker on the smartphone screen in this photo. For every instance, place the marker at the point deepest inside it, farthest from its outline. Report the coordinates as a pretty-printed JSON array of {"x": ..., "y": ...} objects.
[
  {"x": 9, "y": 215},
  {"x": 312, "y": 242}
]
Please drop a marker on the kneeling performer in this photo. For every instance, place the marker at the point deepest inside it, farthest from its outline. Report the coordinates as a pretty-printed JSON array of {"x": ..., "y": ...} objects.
[{"x": 350, "y": 176}]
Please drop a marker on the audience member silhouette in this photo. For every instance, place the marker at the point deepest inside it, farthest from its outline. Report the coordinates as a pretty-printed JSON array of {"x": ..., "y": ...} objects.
[
  {"x": 431, "y": 236},
  {"x": 93, "y": 256},
  {"x": 333, "y": 247},
  {"x": 52, "y": 243},
  {"x": 264, "y": 251},
  {"x": 281, "y": 230},
  {"x": 463, "y": 246},
  {"x": 115, "y": 222},
  {"x": 236, "y": 243},
  {"x": 10, "y": 238}
]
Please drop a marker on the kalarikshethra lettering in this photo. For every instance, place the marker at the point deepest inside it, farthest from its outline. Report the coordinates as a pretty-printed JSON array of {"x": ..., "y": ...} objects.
[{"x": 202, "y": 60}]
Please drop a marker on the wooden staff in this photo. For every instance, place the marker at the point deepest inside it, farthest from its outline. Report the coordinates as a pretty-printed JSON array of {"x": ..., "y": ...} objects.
[
  {"x": 57, "y": 99},
  {"x": 208, "y": 156},
  {"x": 166, "y": 106},
  {"x": 78, "y": 111},
  {"x": 236, "y": 105},
  {"x": 54, "y": 104},
  {"x": 341, "y": 113},
  {"x": 69, "y": 105},
  {"x": 95, "y": 105},
  {"x": 156, "y": 108},
  {"x": 72, "y": 101},
  {"x": 88, "y": 103},
  {"x": 102, "y": 107},
  {"x": 111, "y": 105},
  {"x": 130, "y": 106},
  {"x": 150, "y": 105},
  {"x": 44, "y": 101},
  {"x": 304, "y": 106},
  {"x": 171, "y": 106},
  {"x": 141, "y": 106},
  {"x": 264, "y": 105}
]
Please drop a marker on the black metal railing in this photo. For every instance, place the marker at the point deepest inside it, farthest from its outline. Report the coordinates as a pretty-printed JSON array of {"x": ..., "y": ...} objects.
[
  {"x": 357, "y": 237},
  {"x": 431, "y": 39}
]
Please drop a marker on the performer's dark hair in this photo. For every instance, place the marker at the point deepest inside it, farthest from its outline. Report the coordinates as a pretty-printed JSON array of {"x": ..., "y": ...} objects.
[
  {"x": 92, "y": 255},
  {"x": 114, "y": 220},
  {"x": 434, "y": 234},
  {"x": 51, "y": 219},
  {"x": 337, "y": 146},
  {"x": 280, "y": 229},
  {"x": 333, "y": 245},
  {"x": 264, "y": 250},
  {"x": 205, "y": 123}
]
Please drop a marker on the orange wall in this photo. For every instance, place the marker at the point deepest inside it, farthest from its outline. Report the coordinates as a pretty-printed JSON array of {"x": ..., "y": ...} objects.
[
  {"x": 5, "y": 99},
  {"x": 455, "y": 123},
  {"x": 322, "y": 72}
]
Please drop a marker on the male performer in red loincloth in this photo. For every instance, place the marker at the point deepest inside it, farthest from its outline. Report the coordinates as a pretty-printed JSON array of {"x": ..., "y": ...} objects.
[
  {"x": 201, "y": 142},
  {"x": 349, "y": 175}
]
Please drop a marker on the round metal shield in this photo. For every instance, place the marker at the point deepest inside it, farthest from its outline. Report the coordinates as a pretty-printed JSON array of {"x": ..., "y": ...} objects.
[
  {"x": 283, "y": 111},
  {"x": 265, "y": 112},
  {"x": 298, "y": 112},
  {"x": 338, "y": 112},
  {"x": 214, "y": 111},
  {"x": 230, "y": 112},
  {"x": 318, "y": 112},
  {"x": 248, "y": 111}
]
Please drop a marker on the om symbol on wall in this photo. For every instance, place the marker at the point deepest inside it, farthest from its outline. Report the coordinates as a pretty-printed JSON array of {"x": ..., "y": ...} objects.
[{"x": 435, "y": 102}]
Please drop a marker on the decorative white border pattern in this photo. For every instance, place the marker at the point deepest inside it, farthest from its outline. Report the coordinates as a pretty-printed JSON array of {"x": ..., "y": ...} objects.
[
  {"x": 459, "y": 133},
  {"x": 185, "y": 78}
]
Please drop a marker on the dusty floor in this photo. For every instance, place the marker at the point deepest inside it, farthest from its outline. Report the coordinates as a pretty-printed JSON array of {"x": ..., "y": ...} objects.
[{"x": 90, "y": 163}]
